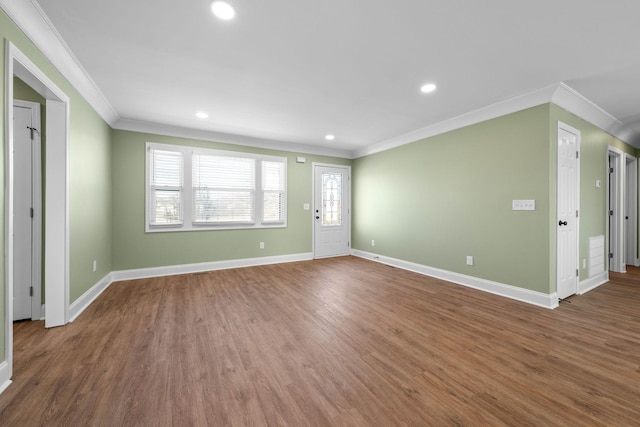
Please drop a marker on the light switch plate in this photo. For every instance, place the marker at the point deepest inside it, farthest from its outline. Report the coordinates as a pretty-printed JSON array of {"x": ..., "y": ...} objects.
[{"x": 524, "y": 205}]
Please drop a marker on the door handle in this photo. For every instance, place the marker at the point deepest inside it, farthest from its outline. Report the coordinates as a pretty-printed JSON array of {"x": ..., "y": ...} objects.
[
  {"x": 562, "y": 223},
  {"x": 317, "y": 217}
]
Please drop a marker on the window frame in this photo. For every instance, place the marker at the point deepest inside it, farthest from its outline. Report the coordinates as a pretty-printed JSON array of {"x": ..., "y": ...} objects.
[{"x": 187, "y": 206}]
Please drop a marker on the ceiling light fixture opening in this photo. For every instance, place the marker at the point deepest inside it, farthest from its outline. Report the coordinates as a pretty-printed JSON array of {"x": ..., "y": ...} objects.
[
  {"x": 330, "y": 137},
  {"x": 201, "y": 115},
  {"x": 222, "y": 10},
  {"x": 428, "y": 88}
]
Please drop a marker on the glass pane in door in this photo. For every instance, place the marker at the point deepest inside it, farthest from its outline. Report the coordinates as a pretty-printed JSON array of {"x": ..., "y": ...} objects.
[{"x": 331, "y": 199}]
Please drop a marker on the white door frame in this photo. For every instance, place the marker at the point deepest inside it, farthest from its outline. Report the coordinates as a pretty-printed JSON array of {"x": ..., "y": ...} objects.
[
  {"x": 57, "y": 202},
  {"x": 314, "y": 207},
  {"x": 36, "y": 245},
  {"x": 570, "y": 129},
  {"x": 615, "y": 211},
  {"x": 631, "y": 210}
]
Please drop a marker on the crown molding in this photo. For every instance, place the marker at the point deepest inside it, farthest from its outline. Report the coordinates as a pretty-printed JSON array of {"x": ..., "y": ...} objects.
[
  {"x": 518, "y": 103},
  {"x": 560, "y": 94},
  {"x": 571, "y": 100},
  {"x": 227, "y": 138},
  {"x": 33, "y": 22}
]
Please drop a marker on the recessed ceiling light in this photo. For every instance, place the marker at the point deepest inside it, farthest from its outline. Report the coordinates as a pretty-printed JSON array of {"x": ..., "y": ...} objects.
[
  {"x": 330, "y": 137},
  {"x": 201, "y": 115},
  {"x": 428, "y": 88},
  {"x": 222, "y": 10}
]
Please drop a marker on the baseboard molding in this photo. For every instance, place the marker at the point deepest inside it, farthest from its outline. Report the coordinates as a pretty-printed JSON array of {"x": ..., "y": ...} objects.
[
  {"x": 170, "y": 270},
  {"x": 5, "y": 376},
  {"x": 593, "y": 282},
  {"x": 532, "y": 297},
  {"x": 85, "y": 300}
]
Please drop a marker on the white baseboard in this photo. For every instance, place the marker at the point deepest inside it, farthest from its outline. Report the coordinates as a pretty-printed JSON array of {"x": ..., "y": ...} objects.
[
  {"x": 80, "y": 305},
  {"x": 170, "y": 270},
  {"x": 525, "y": 295},
  {"x": 5, "y": 376},
  {"x": 593, "y": 282}
]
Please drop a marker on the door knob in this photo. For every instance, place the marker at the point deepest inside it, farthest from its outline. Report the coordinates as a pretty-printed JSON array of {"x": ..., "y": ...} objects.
[
  {"x": 317, "y": 217},
  {"x": 562, "y": 223}
]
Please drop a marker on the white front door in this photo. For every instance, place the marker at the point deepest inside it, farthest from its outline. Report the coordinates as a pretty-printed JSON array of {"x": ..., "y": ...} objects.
[
  {"x": 567, "y": 211},
  {"x": 331, "y": 210},
  {"x": 22, "y": 213}
]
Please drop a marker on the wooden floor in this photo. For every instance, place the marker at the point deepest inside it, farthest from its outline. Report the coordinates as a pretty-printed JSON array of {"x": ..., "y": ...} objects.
[{"x": 330, "y": 342}]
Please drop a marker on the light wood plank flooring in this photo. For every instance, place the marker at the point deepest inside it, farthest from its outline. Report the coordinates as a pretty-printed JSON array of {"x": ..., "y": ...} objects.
[{"x": 330, "y": 342}]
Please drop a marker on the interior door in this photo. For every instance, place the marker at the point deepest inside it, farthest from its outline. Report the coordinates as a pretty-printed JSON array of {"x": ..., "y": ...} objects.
[
  {"x": 22, "y": 213},
  {"x": 331, "y": 210},
  {"x": 567, "y": 212}
]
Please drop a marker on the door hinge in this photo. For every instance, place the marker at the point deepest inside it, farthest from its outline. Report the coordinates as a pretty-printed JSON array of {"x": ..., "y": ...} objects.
[
  {"x": 348, "y": 244},
  {"x": 30, "y": 291},
  {"x": 576, "y": 214},
  {"x": 610, "y": 213},
  {"x": 577, "y": 154},
  {"x": 577, "y": 272},
  {"x": 31, "y": 212},
  {"x": 610, "y": 255},
  {"x": 610, "y": 170}
]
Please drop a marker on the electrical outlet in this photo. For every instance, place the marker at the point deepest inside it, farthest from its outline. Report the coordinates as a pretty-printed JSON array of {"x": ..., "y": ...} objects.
[
  {"x": 373, "y": 243},
  {"x": 469, "y": 260},
  {"x": 95, "y": 265},
  {"x": 261, "y": 245}
]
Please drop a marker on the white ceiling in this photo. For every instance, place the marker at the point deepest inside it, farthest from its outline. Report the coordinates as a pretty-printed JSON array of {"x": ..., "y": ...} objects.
[{"x": 293, "y": 71}]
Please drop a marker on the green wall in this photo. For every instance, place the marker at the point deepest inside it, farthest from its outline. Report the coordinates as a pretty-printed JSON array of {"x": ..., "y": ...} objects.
[
  {"x": 89, "y": 176},
  {"x": 133, "y": 248},
  {"x": 435, "y": 201}
]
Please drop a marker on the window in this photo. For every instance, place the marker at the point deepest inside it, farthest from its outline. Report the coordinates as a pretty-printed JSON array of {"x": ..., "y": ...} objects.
[{"x": 194, "y": 189}]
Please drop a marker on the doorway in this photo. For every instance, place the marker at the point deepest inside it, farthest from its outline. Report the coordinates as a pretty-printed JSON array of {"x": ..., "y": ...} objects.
[
  {"x": 331, "y": 210},
  {"x": 27, "y": 218},
  {"x": 616, "y": 210},
  {"x": 56, "y": 219}
]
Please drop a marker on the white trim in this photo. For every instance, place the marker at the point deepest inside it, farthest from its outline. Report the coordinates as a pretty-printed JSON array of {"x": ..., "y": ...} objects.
[
  {"x": 57, "y": 178},
  {"x": 593, "y": 282},
  {"x": 520, "y": 294},
  {"x": 5, "y": 375},
  {"x": 85, "y": 300},
  {"x": 34, "y": 23},
  {"x": 171, "y": 270},
  {"x": 227, "y": 138},
  {"x": 572, "y": 101}
]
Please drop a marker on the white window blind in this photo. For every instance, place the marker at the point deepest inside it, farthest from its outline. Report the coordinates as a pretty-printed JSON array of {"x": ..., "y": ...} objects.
[
  {"x": 273, "y": 191},
  {"x": 166, "y": 185},
  {"x": 191, "y": 188},
  {"x": 223, "y": 189}
]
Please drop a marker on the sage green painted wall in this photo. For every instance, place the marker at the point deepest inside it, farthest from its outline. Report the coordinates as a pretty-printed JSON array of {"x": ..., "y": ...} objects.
[
  {"x": 435, "y": 201},
  {"x": 593, "y": 166},
  {"x": 89, "y": 175},
  {"x": 133, "y": 248}
]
